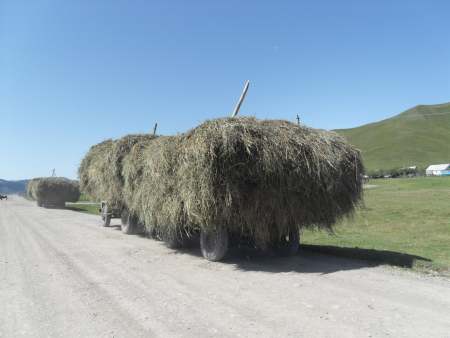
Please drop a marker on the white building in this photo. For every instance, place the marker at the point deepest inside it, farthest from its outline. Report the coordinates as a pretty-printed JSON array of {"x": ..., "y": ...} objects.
[{"x": 438, "y": 170}]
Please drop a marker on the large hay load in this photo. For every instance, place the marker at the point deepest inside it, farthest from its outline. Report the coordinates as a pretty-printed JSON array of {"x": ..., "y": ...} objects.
[
  {"x": 262, "y": 180},
  {"x": 101, "y": 177},
  {"x": 53, "y": 192}
]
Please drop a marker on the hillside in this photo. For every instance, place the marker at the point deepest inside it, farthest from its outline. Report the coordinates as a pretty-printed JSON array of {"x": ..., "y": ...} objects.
[
  {"x": 419, "y": 136},
  {"x": 13, "y": 187}
]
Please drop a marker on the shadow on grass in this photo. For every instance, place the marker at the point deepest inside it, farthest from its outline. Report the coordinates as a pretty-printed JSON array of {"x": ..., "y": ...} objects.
[{"x": 314, "y": 259}]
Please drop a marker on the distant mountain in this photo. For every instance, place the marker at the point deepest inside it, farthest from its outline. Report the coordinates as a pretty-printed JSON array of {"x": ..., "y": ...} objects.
[
  {"x": 419, "y": 136},
  {"x": 13, "y": 187}
]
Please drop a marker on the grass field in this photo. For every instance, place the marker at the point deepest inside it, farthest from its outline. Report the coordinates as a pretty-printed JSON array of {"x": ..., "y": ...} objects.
[
  {"x": 84, "y": 207},
  {"x": 84, "y": 204},
  {"x": 404, "y": 222}
]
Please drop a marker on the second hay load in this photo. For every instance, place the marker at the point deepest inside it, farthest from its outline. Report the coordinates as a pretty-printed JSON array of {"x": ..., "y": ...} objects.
[{"x": 53, "y": 192}]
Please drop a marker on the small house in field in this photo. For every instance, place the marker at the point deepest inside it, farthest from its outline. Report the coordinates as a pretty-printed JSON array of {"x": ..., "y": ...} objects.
[{"x": 438, "y": 170}]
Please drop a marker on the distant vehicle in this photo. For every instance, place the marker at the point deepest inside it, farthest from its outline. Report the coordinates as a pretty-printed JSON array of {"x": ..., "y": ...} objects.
[
  {"x": 438, "y": 170},
  {"x": 3, "y": 197}
]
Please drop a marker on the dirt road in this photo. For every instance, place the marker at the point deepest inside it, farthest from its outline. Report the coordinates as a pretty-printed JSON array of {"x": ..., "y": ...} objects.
[{"x": 62, "y": 275}]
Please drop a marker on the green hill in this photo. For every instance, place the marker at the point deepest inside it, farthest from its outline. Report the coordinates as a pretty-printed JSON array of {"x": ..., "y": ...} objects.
[{"x": 419, "y": 136}]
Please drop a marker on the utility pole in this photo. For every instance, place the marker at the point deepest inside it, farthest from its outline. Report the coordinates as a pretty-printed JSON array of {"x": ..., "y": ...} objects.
[
  {"x": 298, "y": 119},
  {"x": 154, "y": 128},
  {"x": 53, "y": 172}
]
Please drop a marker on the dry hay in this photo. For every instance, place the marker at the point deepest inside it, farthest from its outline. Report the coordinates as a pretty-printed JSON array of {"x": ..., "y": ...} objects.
[
  {"x": 31, "y": 187},
  {"x": 53, "y": 191},
  {"x": 92, "y": 168},
  {"x": 151, "y": 185},
  {"x": 257, "y": 178},
  {"x": 100, "y": 171}
]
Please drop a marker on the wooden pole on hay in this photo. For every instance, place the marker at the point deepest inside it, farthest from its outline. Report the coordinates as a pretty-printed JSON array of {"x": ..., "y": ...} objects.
[
  {"x": 241, "y": 99},
  {"x": 154, "y": 128}
]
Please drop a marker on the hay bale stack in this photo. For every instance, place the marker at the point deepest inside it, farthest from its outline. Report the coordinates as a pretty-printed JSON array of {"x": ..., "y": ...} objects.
[
  {"x": 100, "y": 171},
  {"x": 254, "y": 177},
  {"x": 53, "y": 192}
]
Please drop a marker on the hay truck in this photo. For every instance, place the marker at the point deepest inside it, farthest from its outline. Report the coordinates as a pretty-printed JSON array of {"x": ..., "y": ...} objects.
[
  {"x": 53, "y": 192},
  {"x": 227, "y": 181},
  {"x": 241, "y": 179}
]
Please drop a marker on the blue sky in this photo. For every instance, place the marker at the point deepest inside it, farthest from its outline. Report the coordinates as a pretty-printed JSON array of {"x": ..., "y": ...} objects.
[{"x": 73, "y": 73}]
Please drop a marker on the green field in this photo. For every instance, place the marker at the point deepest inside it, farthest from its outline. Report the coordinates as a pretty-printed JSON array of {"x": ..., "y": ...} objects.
[
  {"x": 87, "y": 208},
  {"x": 419, "y": 136},
  {"x": 84, "y": 204},
  {"x": 404, "y": 222}
]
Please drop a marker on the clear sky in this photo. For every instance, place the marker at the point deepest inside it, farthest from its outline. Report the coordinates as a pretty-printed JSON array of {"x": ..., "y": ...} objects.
[{"x": 73, "y": 73}]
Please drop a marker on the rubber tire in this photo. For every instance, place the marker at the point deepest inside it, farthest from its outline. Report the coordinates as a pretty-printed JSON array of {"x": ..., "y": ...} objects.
[
  {"x": 129, "y": 223},
  {"x": 214, "y": 244},
  {"x": 106, "y": 219},
  {"x": 288, "y": 246}
]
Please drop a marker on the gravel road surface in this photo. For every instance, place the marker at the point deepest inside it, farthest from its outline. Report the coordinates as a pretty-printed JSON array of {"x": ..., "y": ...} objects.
[{"x": 63, "y": 275}]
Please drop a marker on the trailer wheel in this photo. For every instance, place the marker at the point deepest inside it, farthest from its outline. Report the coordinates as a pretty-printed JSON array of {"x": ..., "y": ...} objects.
[
  {"x": 106, "y": 220},
  {"x": 129, "y": 222},
  {"x": 214, "y": 244},
  {"x": 106, "y": 217},
  {"x": 288, "y": 245}
]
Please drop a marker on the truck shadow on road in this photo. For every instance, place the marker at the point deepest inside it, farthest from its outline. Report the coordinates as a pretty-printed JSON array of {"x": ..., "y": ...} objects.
[{"x": 317, "y": 259}]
